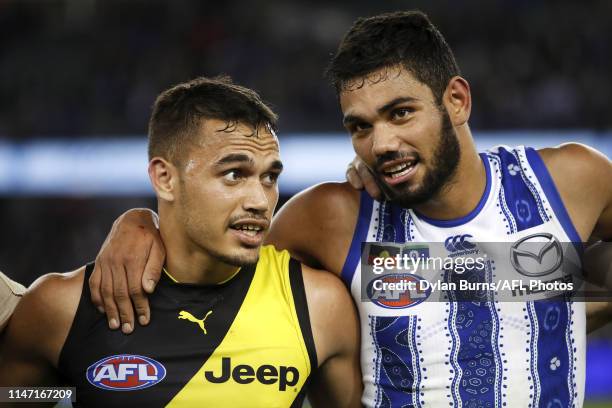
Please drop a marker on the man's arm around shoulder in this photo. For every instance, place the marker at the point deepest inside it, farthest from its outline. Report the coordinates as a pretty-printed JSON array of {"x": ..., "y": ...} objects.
[
  {"x": 335, "y": 328},
  {"x": 316, "y": 226},
  {"x": 38, "y": 328}
]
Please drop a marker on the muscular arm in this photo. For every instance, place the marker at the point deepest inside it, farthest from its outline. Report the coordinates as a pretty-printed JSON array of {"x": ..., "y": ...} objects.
[
  {"x": 316, "y": 226},
  {"x": 337, "y": 382},
  {"x": 38, "y": 329},
  {"x": 582, "y": 176}
]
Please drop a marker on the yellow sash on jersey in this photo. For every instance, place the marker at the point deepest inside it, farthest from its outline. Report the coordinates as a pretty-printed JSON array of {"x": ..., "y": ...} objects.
[{"x": 263, "y": 360}]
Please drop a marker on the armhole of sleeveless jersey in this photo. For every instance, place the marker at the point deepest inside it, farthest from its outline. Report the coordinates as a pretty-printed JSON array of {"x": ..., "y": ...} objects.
[
  {"x": 301, "y": 309},
  {"x": 360, "y": 235},
  {"x": 73, "y": 334},
  {"x": 554, "y": 198}
]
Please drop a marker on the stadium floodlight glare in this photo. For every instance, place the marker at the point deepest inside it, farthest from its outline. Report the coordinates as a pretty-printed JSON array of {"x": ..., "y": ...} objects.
[{"x": 110, "y": 166}]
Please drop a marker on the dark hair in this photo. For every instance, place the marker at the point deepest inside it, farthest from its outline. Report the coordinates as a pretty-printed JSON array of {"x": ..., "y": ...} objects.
[
  {"x": 405, "y": 38},
  {"x": 178, "y": 113}
]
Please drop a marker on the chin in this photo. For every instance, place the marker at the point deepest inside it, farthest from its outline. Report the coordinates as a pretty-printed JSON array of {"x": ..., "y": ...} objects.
[
  {"x": 243, "y": 256},
  {"x": 407, "y": 190},
  {"x": 404, "y": 192}
]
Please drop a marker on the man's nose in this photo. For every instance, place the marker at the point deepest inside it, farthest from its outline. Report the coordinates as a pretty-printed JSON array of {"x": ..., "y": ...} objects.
[
  {"x": 384, "y": 141},
  {"x": 256, "y": 199}
]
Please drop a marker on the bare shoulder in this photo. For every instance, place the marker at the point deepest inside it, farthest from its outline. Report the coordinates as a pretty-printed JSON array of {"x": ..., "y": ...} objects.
[
  {"x": 52, "y": 293},
  {"x": 324, "y": 288},
  {"x": 334, "y": 193},
  {"x": 44, "y": 315},
  {"x": 576, "y": 159},
  {"x": 332, "y": 313},
  {"x": 578, "y": 171},
  {"x": 581, "y": 172},
  {"x": 316, "y": 226}
]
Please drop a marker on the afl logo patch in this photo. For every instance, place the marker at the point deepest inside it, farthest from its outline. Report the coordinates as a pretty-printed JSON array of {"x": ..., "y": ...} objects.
[
  {"x": 398, "y": 290},
  {"x": 125, "y": 372}
]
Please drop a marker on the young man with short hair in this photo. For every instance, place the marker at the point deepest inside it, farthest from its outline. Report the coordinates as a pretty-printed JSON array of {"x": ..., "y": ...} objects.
[{"x": 237, "y": 323}]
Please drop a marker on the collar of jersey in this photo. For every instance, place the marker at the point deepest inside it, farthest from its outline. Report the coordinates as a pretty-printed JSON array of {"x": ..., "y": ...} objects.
[{"x": 172, "y": 279}]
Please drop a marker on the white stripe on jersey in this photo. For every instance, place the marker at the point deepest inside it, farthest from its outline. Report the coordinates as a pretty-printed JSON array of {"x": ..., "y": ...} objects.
[{"x": 428, "y": 354}]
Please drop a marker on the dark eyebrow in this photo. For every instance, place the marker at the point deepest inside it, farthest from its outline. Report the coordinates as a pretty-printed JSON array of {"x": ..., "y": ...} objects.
[
  {"x": 350, "y": 119},
  {"x": 390, "y": 105},
  {"x": 276, "y": 165},
  {"x": 234, "y": 158}
]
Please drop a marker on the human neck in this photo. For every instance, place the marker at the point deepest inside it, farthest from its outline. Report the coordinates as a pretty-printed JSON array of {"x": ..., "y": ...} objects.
[
  {"x": 188, "y": 263},
  {"x": 463, "y": 192}
]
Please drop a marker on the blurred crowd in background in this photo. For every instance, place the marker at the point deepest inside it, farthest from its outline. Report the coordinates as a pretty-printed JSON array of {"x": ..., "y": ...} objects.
[
  {"x": 92, "y": 68},
  {"x": 85, "y": 67},
  {"x": 81, "y": 68}
]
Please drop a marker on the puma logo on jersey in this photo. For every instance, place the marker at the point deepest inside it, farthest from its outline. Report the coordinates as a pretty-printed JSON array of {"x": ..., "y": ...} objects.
[
  {"x": 245, "y": 374},
  {"x": 183, "y": 314}
]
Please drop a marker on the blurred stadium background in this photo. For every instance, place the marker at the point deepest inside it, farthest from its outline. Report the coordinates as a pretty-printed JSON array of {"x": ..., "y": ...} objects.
[{"x": 78, "y": 77}]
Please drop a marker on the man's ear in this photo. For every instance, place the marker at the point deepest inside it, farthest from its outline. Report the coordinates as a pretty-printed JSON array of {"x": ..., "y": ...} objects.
[
  {"x": 164, "y": 178},
  {"x": 458, "y": 100}
]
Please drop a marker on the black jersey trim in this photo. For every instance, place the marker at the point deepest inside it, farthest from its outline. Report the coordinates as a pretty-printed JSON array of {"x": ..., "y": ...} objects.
[
  {"x": 74, "y": 331},
  {"x": 301, "y": 307},
  {"x": 298, "y": 402},
  {"x": 164, "y": 339}
]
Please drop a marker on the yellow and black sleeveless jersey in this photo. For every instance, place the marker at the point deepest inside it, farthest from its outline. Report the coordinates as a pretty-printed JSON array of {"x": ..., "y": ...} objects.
[{"x": 244, "y": 343}]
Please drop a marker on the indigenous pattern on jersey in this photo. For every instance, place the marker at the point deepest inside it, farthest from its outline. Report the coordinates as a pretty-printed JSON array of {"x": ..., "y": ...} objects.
[
  {"x": 244, "y": 343},
  {"x": 473, "y": 354}
]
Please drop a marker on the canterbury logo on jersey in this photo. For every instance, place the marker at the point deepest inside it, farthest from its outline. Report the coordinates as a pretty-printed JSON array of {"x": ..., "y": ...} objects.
[
  {"x": 245, "y": 374},
  {"x": 459, "y": 243},
  {"x": 200, "y": 322}
]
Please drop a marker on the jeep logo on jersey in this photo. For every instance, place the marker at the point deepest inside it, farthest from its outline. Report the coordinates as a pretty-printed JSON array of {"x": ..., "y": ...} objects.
[
  {"x": 458, "y": 243},
  {"x": 529, "y": 255},
  {"x": 125, "y": 372},
  {"x": 398, "y": 290},
  {"x": 245, "y": 374}
]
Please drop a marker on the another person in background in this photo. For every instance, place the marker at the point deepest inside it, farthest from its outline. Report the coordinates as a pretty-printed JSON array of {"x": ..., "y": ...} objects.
[
  {"x": 406, "y": 107},
  {"x": 10, "y": 294}
]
